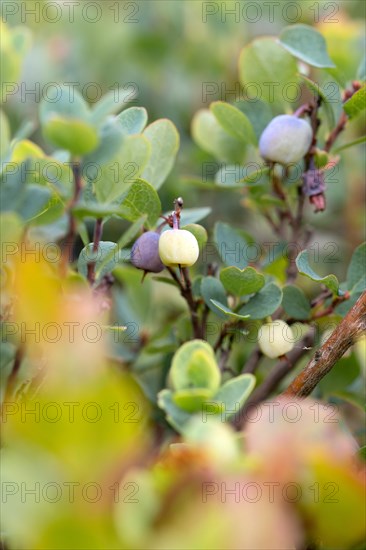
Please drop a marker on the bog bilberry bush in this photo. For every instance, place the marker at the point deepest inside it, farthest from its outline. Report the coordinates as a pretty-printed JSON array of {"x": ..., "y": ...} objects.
[{"x": 172, "y": 356}]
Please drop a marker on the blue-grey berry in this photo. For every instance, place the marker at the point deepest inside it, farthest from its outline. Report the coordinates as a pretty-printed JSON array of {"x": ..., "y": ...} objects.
[
  {"x": 286, "y": 139},
  {"x": 145, "y": 253}
]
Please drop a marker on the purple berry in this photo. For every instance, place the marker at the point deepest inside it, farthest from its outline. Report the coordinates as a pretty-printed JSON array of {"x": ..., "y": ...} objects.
[{"x": 145, "y": 253}]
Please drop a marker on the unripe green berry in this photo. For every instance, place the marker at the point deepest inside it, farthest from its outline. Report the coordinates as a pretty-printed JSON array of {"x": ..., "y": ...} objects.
[
  {"x": 178, "y": 247},
  {"x": 275, "y": 339},
  {"x": 286, "y": 139}
]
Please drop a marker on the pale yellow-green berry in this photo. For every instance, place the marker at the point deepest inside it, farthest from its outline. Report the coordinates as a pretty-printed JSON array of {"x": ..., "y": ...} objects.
[
  {"x": 275, "y": 339},
  {"x": 178, "y": 247}
]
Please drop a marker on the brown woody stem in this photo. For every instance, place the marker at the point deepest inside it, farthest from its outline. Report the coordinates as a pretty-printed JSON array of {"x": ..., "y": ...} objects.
[
  {"x": 98, "y": 231},
  {"x": 186, "y": 292},
  {"x": 347, "y": 332}
]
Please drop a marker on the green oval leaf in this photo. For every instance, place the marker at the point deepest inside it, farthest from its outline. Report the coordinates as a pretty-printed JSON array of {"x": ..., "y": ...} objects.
[
  {"x": 234, "y": 122},
  {"x": 264, "y": 303},
  {"x": 307, "y": 44},
  {"x": 110, "y": 103},
  {"x": 212, "y": 290},
  {"x": 69, "y": 104},
  {"x": 330, "y": 281},
  {"x": 233, "y": 394},
  {"x": 295, "y": 303},
  {"x": 227, "y": 312},
  {"x": 113, "y": 179},
  {"x": 76, "y": 136},
  {"x": 111, "y": 138},
  {"x": 94, "y": 210},
  {"x": 267, "y": 67},
  {"x": 133, "y": 120},
  {"x": 241, "y": 281},
  {"x": 259, "y": 114},
  {"x": 211, "y": 137},
  {"x": 356, "y": 104},
  {"x": 193, "y": 399},
  {"x": 231, "y": 245},
  {"x": 194, "y": 366},
  {"x": 164, "y": 141},
  {"x": 141, "y": 199},
  {"x": 356, "y": 268},
  {"x": 105, "y": 250},
  {"x": 176, "y": 416},
  {"x": 124, "y": 240}
]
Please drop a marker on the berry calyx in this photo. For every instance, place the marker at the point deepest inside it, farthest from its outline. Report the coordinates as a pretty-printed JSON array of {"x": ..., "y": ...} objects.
[
  {"x": 145, "y": 253},
  {"x": 275, "y": 339},
  {"x": 285, "y": 140}
]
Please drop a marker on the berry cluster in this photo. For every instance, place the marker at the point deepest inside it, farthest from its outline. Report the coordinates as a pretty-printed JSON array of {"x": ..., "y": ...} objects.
[{"x": 173, "y": 248}]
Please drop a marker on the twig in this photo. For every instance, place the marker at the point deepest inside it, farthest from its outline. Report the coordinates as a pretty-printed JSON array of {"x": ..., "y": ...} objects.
[
  {"x": 297, "y": 225},
  {"x": 98, "y": 231},
  {"x": 303, "y": 109},
  {"x": 342, "y": 119},
  {"x": 221, "y": 337},
  {"x": 330, "y": 309},
  {"x": 227, "y": 329},
  {"x": 70, "y": 237},
  {"x": 252, "y": 362},
  {"x": 335, "y": 133},
  {"x": 186, "y": 292},
  {"x": 326, "y": 293},
  {"x": 342, "y": 338},
  {"x": 272, "y": 223},
  {"x": 285, "y": 214},
  {"x": 205, "y": 314},
  {"x": 225, "y": 353}
]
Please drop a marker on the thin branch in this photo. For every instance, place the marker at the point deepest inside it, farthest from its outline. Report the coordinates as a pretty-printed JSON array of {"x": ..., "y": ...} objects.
[
  {"x": 253, "y": 361},
  {"x": 271, "y": 222},
  {"x": 324, "y": 295},
  {"x": 335, "y": 133},
  {"x": 283, "y": 214},
  {"x": 98, "y": 231},
  {"x": 67, "y": 253},
  {"x": 307, "y": 108},
  {"x": 204, "y": 317},
  {"x": 192, "y": 304},
  {"x": 225, "y": 353},
  {"x": 343, "y": 119},
  {"x": 299, "y": 237},
  {"x": 347, "y": 332},
  {"x": 225, "y": 330},
  {"x": 186, "y": 292}
]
